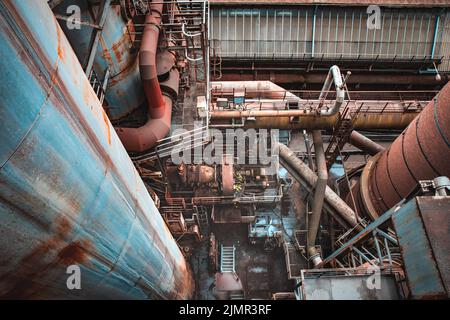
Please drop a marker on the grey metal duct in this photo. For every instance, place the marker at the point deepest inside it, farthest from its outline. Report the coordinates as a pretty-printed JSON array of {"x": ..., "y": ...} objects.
[
  {"x": 318, "y": 199},
  {"x": 306, "y": 177}
]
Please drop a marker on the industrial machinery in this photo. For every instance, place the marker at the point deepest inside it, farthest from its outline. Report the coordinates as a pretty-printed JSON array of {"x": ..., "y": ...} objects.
[{"x": 186, "y": 149}]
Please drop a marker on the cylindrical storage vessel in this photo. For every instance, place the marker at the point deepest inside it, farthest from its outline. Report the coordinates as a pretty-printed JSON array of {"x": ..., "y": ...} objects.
[
  {"x": 421, "y": 152},
  {"x": 115, "y": 51},
  {"x": 69, "y": 194}
]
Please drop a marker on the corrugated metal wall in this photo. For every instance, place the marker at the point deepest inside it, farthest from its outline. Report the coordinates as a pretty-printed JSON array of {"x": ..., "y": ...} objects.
[{"x": 286, "y": 32}]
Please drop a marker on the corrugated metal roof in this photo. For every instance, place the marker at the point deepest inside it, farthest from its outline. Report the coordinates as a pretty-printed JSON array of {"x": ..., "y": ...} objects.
[{"x": 406, "y": 3}]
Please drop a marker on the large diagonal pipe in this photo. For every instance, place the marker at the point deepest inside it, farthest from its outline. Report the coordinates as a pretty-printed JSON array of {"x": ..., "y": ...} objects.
[
  {"x": 308, "y": 179},
  {"x": 365, "y": 144},
  {"x": 159, "y": 107},
  {"x": 319, "y": 195}
]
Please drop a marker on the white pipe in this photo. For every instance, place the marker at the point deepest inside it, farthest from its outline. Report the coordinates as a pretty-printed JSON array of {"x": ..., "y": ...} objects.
[{"x": 333, "y": 76}]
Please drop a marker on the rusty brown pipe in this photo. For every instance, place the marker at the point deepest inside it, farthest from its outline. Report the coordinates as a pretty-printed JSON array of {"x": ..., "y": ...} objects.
[
  {"x": 281, "y": 119},
  {"x": 365, "y": 144},
  {"x": 159, "y": 105},
  {"x": 143, "y": 138},
  {"x": 421, "y": 152},
  {"x": 147, "y": 61}
]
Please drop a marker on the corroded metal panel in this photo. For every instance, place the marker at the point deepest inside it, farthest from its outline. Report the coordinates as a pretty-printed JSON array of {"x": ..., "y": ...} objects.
[
  {"x": 330, "y": 31},
  {"x": 69, "y": 193},
  {"x": 435, "y": 214},
  {"x": 423, "y": 275},
  {"x": 115, "y": 51}
]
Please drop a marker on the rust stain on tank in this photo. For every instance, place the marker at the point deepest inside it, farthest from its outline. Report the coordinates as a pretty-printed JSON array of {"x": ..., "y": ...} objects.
[
  {"x": 22, "y": 282},
  {"x": 131, "y": 67},
  {"x": 74, "y": 252},
  {"x": 108, "y": 129},
  {"x": 118, "y": 46},
  {"x": 106, "y": 53},
  {"x": 58, "y": 32}
]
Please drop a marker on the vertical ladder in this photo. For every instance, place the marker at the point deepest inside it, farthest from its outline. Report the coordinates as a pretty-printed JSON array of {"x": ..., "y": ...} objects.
[{"x": 227, "y": 259}]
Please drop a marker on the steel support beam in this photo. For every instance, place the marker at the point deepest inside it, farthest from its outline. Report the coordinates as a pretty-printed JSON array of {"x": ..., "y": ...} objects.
[{"x": 100, "y": 22}]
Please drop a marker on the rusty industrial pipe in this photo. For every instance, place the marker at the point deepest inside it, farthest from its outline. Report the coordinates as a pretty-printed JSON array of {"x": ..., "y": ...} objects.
[
  {"x": 282, "y": 119},
  {"x": 318, "y": 199},
  {"x": 159, "y": 104},
  {"x": 146, "y": 136},
  {"x": 308, "y": 179},
  {"x": 365, "y": 144},
  {"x": 421, "y": 152},
  {"x": 147, "y": 61}
]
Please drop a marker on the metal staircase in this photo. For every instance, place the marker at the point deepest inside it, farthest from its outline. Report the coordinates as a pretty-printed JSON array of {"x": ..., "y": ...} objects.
[
  {"x": 227, "y": 259},
  {"x": 341, "y": 134}
]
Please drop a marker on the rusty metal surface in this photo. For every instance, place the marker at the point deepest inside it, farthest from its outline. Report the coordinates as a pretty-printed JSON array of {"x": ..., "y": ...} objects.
[
  {"x": 421, "y": 152},
  {"x": 124, "y": 93},
  {"x": 144, "y": 137},
  {"x": 69, "y": 193},
  {"x": 424, "y": 278},
  {"x": 399, "y": 170},
  {"x": 435, "y": 213},
  {"x": 227, "y": 174},
  {"x": 365, "y": 121},
  {"x": 228, "y": 281},
  {"x": 385, "y": 186},
  {"x": 415, "y": 160}
]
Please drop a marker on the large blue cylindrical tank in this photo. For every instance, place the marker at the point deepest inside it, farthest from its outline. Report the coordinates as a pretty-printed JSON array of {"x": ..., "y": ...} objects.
[
  {"x": 69, "y": 194},
  {"x": 115, "y": 51}
]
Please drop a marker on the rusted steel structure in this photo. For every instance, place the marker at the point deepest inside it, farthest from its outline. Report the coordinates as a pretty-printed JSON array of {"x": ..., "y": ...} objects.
[
  {"x": 109, "y": 51},
  {"x": 421, "y": 152},
  {"x": 306, "y": 177},
  {"x": 159, "y": 99},
  {"x": 267, "y": 106},
  {"x": 421, "y": 224},
  {"x": 69, "y": 192}
]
